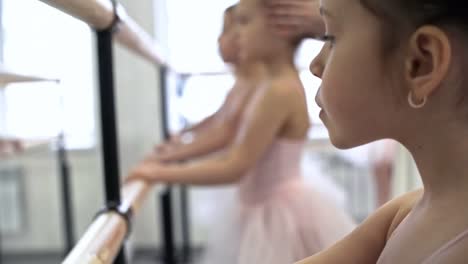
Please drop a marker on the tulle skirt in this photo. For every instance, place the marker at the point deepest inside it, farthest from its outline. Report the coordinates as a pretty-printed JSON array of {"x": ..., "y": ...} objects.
[{"x": 288, "y": 225}]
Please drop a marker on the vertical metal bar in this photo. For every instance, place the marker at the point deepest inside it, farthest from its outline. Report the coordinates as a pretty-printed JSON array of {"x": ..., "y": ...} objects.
[
  {"x": 184, "y": 204},
  {"x": 166, "y": 198},
  {"x": 185, "y": 215},
  {"x": 163, "y": 72},
  {"x": 167, "y": 227},
  {"x": 108, "y": 122},
  {"x": 67, "y": 210}
]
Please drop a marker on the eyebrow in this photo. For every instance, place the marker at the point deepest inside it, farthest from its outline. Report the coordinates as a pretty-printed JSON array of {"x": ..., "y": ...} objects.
[{"x": 325, "y": 12}]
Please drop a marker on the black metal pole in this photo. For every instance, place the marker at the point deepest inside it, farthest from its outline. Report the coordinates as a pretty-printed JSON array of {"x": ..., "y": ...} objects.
[
  {"x": 166, "y": 197},
  {"x": 185, "y": 215},
  {"x": 67, "y": 210},
  {"x": 167, "y": 227},
  {"x": 184, "y": 204},
  {"x": 108, "y": 122}
]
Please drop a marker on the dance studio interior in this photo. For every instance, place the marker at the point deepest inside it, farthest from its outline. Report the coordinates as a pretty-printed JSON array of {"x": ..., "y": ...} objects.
[{"x": 92, "y": 89}]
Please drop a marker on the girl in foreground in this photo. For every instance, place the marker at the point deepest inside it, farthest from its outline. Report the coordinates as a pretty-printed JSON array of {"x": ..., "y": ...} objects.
[{"x": 395, "y": 69}]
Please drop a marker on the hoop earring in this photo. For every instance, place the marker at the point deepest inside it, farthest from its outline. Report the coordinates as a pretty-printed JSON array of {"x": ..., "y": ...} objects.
[{"x": 416, "y": 105}]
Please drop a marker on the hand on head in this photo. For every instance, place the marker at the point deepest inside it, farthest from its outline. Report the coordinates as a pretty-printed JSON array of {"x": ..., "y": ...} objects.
[{"x": 296, "y": 18}]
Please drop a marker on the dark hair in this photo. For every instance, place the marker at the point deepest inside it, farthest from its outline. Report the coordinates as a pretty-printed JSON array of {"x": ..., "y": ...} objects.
[
  {"x": 400, "y": 17},
  {"x": 407, "y": 15}
]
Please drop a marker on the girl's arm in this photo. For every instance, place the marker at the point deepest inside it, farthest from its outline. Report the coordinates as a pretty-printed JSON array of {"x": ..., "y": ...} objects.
[
  {"x": 167, "y": 150},
  {"x": 365, "y": 244},
  {"x": 215, "y": 135},
  {"x": 216, "y": 138},
  {"x": 266, "y": 114}
]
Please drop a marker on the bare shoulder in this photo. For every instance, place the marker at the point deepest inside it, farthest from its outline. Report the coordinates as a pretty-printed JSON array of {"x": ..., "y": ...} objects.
[
  {"x": 405, "y": 204},
  {"x": 271, "y": 96},
  {"x": 277, "y": 89},
  {"x": 365, "y": 244},
  {"x": 286, "y": 86},
  {"x": 278, "y": 93}
]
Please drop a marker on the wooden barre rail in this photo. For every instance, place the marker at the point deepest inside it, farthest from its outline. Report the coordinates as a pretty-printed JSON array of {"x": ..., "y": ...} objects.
[
  {"x": 9, "y": 77},
  {"x": 104, "y": 237},
  {"x": 10, "y": 147},
  {"x": 99, "y": 14}
]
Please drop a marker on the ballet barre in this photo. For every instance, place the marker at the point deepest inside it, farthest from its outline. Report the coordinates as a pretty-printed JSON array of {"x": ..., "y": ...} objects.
[
  {"x": 110, "y": 22},
  {"x": 104, "y": 237},
  {"x": 14, "y": 146},
  {"x": 11, "y": 146},
  {"x": 100, "y": 15},
  {"x": 9, "y": 77}
]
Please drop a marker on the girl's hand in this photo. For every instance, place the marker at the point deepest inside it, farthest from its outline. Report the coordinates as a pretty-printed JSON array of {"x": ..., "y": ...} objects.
[
  {"x": 163, "y": 147},
  {"x": 296, "y": 18},
  {"x": 173, "y": 142},
  {"x": 148, "y": 170}
]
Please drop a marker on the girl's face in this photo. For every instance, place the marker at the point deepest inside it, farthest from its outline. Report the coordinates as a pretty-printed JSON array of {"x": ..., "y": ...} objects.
[
  {"x": 358, "y": 101},
  {"x": 228, "y": 41},
  {"x": 257, "y": 39}
]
